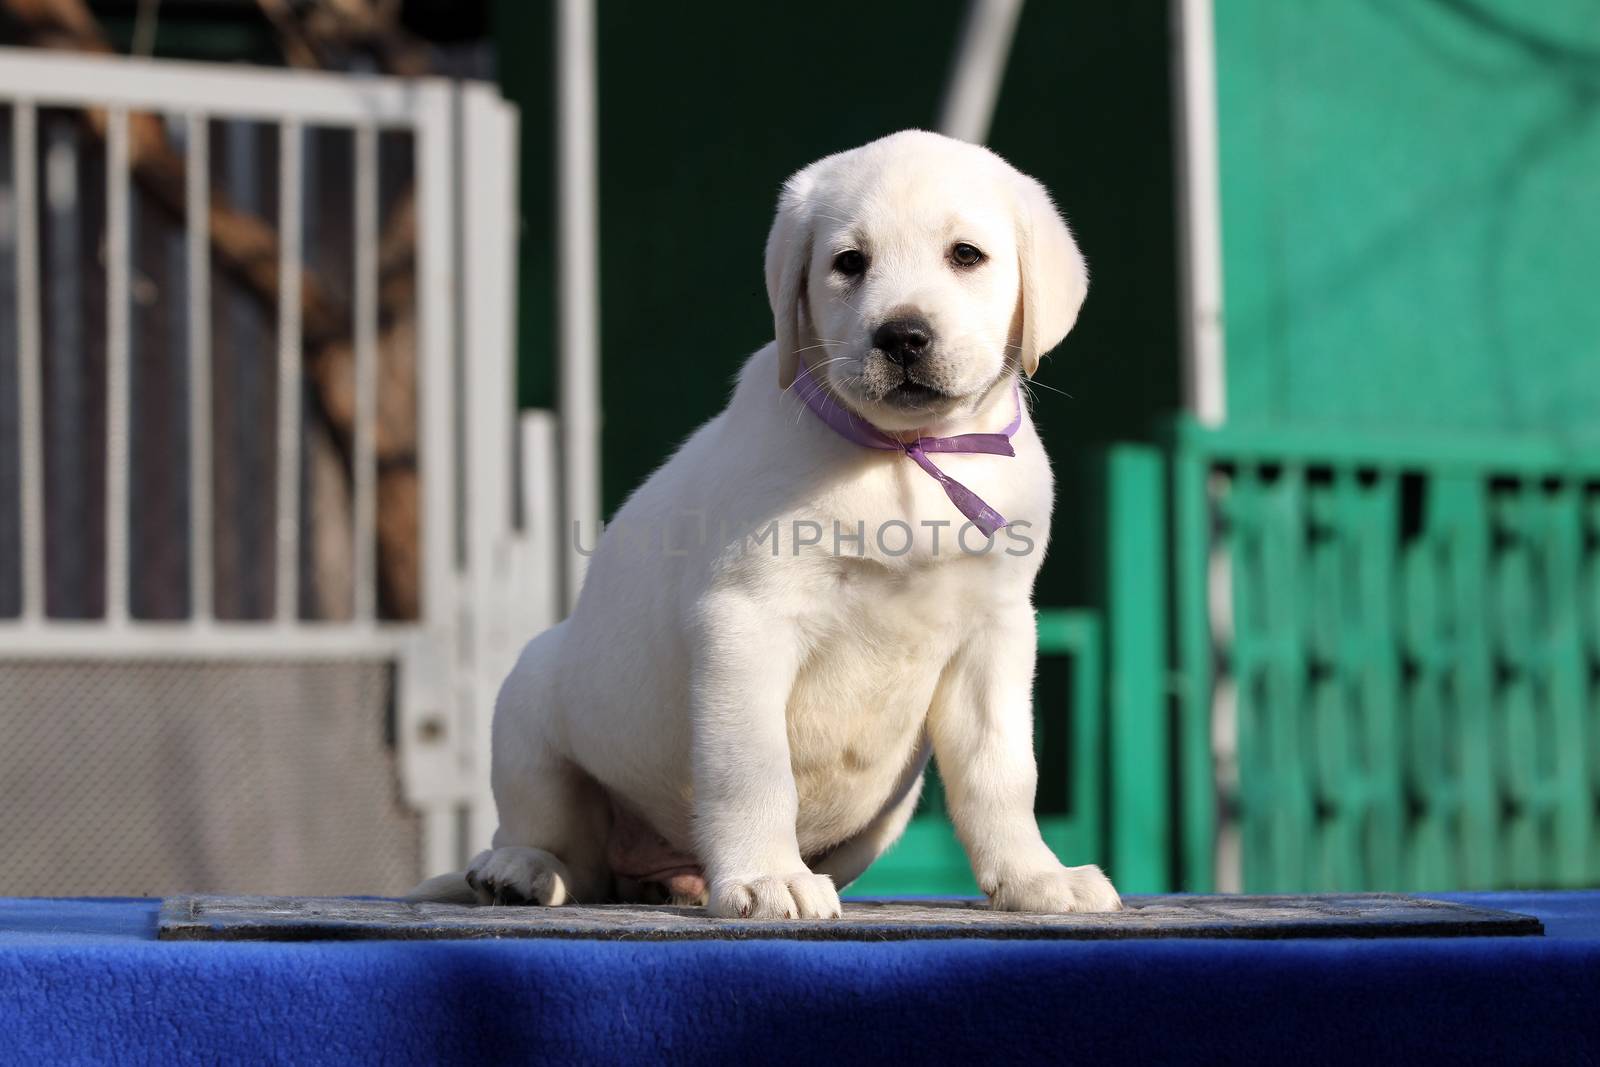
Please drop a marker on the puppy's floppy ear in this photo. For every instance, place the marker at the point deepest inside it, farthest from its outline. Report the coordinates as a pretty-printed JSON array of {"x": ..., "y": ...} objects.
[
  {"x": 788, "y": 252},
  {"x": 1055, "y": 278}
]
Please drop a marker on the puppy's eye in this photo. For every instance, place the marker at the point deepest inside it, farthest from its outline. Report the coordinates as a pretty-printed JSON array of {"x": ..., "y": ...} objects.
[
  {"x": 965, "y": 255},
  {"x": 849, "y": 263}
]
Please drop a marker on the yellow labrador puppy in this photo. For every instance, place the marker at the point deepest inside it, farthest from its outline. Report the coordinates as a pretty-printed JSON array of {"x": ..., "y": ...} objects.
[{"x": 829, "y": 580}]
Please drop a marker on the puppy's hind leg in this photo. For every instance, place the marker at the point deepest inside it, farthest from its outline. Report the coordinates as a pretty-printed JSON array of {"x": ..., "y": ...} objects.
[
  {"x": 554, "y": 818},
  {"x": 550, "y": 847}
]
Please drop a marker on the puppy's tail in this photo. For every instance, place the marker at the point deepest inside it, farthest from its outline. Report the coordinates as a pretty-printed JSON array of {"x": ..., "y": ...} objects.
[{"x": 449, "y": 888}]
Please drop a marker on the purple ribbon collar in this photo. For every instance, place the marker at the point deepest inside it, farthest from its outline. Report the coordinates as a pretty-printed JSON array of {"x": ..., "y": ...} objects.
[{"x": 858, "y": 431}]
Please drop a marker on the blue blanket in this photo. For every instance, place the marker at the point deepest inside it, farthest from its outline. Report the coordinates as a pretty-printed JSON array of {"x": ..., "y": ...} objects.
[{"x": 85, "y": 981}]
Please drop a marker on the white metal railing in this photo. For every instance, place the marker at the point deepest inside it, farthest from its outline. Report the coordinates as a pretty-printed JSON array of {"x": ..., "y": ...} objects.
[{"x": 477, "y": 604}]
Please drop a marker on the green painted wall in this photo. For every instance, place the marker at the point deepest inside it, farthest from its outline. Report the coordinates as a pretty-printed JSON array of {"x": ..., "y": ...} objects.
[
  {"x": 1411, "y": 213},
  {"x": 705, "y": 108}
]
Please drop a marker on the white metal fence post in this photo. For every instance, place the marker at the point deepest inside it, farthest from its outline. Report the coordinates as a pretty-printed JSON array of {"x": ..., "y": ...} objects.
[
  {"x": 1199, "y": 209},
  {"x": 30, "y": 390},
  {"x": 978, "y": 69},
  {"x": 489, "y": 195},
  {"x": 118, "y": 396},
  {"x": 434, "y": 704},
  {"x": 197, "y": 249},
  {"x": 286, "y": 602},
  {"x": 578, "y": 302},
  {"x": 364, "y": 451}
]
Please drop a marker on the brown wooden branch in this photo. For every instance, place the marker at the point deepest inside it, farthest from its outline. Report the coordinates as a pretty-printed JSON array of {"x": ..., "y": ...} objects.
[
  {"x": 297, "y": 50},
  {"x": 333, "y": 26}
]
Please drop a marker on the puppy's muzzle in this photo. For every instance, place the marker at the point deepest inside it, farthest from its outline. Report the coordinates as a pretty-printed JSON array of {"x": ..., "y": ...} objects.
[{"x": 903, "y": 341}]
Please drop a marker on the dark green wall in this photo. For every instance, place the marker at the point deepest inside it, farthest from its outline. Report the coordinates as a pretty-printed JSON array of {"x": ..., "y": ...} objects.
[
  {"x": 705, "y": 109},
  {"x": 1411, "y": 213}
]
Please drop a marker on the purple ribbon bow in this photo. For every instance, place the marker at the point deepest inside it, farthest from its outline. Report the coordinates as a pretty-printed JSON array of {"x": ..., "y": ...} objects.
[{"x": 861, "y": 432}]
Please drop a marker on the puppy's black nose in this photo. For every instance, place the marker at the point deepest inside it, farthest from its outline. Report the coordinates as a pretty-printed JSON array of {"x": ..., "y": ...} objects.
[{"x": 903, "y": 340}]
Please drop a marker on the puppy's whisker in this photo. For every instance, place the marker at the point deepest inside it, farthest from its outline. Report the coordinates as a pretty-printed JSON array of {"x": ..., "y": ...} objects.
[
  {"x": 822, "y": 365},
  {"x": 800, "y": 409},
  {"x": 1029, "y": 384}
]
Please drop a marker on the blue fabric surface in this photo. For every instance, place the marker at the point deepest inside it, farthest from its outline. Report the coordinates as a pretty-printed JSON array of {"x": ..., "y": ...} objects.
[{"x": 85, "y": 981}]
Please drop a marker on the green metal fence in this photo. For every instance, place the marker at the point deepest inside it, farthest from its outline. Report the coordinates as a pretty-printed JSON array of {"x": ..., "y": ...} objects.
[
  {"x": 1388, "y": 661},
  {"x": 1321, "y": 662}
]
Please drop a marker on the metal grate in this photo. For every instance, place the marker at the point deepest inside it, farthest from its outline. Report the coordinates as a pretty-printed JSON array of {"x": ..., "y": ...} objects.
[{"x": 151, "y": 778}]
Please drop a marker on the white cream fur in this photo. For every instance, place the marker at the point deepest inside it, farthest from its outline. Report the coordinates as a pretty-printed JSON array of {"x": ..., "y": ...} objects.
[{"x": 761, "y": 710}]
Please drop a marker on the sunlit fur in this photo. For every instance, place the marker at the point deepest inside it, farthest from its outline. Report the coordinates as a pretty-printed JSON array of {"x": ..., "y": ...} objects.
[{"x": 771, "y": 713}]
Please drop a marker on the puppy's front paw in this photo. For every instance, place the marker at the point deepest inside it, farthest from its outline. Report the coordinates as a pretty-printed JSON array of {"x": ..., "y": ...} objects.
[
  {"x": 519, "y": 876},
  {"x": 781, "y": 896},
  {"x": 1062, "y": 889}
]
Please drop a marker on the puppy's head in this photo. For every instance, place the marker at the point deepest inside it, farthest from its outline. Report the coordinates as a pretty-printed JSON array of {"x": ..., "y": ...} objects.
[{"x": 916, "y": 273}]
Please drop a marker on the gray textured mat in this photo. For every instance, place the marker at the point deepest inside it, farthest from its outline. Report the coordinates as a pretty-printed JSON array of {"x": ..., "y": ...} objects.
[{"x": 209, "y": 918}]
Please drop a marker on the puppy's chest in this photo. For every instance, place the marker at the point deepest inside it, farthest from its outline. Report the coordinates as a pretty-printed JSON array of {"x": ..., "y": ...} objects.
[{"x": 878, "y": 647}]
